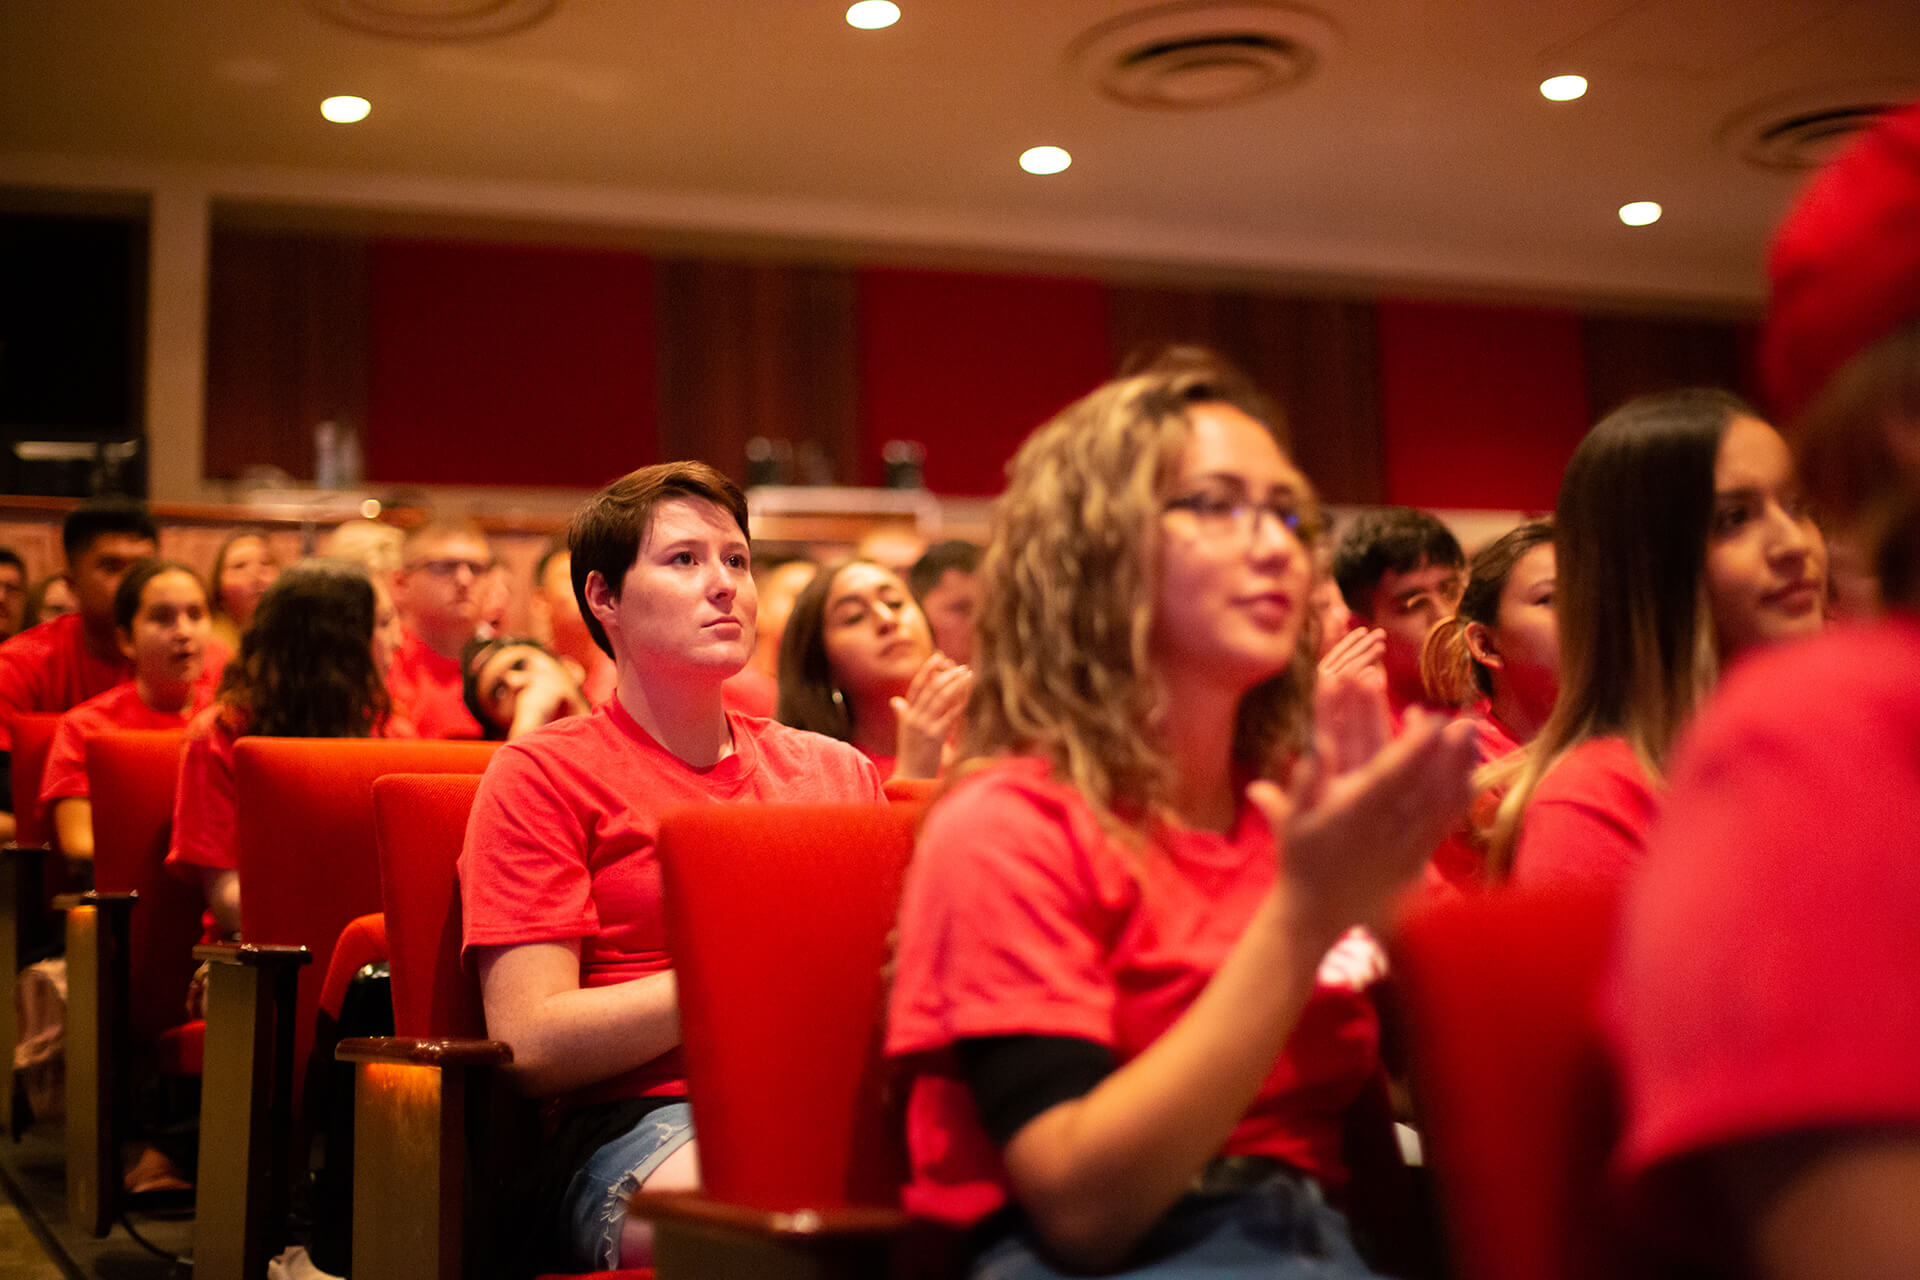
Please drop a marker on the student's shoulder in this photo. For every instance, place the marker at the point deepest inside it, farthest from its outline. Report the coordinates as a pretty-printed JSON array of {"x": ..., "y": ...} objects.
[
  {"x": 1016, "y": 803},
  {"x": 1849, "y": 671},
  {"x": 38, "y": 643},
  {"x": 789, "y": 753}
]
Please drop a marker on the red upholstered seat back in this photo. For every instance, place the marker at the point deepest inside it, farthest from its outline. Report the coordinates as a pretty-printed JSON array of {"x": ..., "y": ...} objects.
[
  {"x": 131, "y": 775},
  {"x": 1515, "y": 1095},
  {"x": 911, "y": 791},
  {"x": 32, "y": 739},
  {"x": 778, "y": 919},
  {"x": 420, "y": 820},
  {"x": 307, "y": 860}
]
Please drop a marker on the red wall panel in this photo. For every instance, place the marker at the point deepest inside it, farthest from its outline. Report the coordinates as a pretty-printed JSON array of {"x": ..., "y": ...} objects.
[
  {"x": 1480, "y": 406},
  {"x": 970, "y": 364},
  {"x": 508, "y": 364}
]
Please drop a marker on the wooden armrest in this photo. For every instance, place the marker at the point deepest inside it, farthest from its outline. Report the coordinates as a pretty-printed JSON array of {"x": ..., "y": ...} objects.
[
  {"x": 845, "y": 1222},
  {"x": 408, "y": 1050},
  {"x": 255, "y": 955},
  {"x": 11, "y": 850},
  {"x": 118, "y": 898}
]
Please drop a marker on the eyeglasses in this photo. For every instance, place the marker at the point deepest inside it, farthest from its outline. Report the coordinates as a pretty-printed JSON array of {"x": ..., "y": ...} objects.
[
  {"x": 1236, "y": 515},
  {"x": 447, "y": 568}
]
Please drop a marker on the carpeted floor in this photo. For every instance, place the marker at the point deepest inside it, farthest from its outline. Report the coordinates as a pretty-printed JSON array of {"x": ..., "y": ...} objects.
[{"x": 37, "y": 1242}]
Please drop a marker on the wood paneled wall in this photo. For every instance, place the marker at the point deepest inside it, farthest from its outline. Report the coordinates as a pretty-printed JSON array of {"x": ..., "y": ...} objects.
[{"x": 467, "y": 363}]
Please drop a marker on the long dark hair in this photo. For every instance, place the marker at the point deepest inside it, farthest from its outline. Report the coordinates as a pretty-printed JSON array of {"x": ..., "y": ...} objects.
[
  {"x": 810, "y": 697},
  {"x": 305, "y": 668},
  {"x": 1630, "y": 545}
]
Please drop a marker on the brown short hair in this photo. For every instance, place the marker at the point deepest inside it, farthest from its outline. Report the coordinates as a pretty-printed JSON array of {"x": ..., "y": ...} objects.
[{"x": 608, "y": 529}]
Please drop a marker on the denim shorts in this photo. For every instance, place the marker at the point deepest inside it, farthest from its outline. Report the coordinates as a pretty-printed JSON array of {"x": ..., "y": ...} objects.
[
  {"x": 596, "y": 1202},
  {"x": 1281, "y": 1229}
]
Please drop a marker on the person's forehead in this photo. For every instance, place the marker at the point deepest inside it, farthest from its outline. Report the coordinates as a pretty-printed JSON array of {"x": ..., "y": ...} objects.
[
  {"x": 1426, "y": 576},
  {"x": 437, "y": 546},
  {"x": 860, "y": 580},
  {"x": 172, "y": 585},
  {"x": 1224, "y": 440},
  {"x": 675, "y": 518},
  {"x": 123, "y": 545}
]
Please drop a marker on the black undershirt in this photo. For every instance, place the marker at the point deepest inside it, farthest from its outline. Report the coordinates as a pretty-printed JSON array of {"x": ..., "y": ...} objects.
[{"x": 1015, "y": 1078}]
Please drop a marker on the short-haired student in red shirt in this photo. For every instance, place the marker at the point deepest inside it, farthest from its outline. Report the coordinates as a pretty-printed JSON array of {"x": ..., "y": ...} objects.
[
  {"x": 1128, "y": 986},
  {"x": 1764, "y": 1011},
  {"x": 1682, "y": 543},
  {"x": 161, "y": 612},
  {"x": 558, "y": 877}
]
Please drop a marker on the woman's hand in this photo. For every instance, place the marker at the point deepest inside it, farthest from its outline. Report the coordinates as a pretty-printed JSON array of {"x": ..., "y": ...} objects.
[
  {"x": 1360, "y": 816},
  {"x": 929, "y": 715}
]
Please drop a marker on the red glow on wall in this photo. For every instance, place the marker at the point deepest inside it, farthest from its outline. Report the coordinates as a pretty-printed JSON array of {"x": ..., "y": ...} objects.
[
  {"x": 509, "y": 365},
  {"x": 969, "y": 365},
  {"x": 1479, "y": 406}
]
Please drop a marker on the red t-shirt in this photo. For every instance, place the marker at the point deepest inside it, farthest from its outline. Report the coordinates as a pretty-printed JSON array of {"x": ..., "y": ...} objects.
[
  {"x": 1765, "y": 979},
  {"x": 51, "y": 668},
  {"x": 426, "y": 692},
  {"x": 560, "y": 844},
  {"x": 118, "y": 708},
  {"x": 1023, "y": 916},
  {"x": 1587, "y": 821},
  {"x": 205, "y": 801}
]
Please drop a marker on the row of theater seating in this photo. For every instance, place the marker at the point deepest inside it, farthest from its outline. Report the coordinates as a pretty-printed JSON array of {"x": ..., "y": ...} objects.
[{"x": 778, "y": 919}]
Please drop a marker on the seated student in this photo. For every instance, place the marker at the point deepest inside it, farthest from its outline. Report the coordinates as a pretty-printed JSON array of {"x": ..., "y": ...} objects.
[
  {"x": 1499, "y": 656},
  {"x": 13, "y": 592},
  {"x": 312, "y": 665},
  {"x": 1763, "y": 1008},
  {"x": 1122, "y": 990},
  {"x": 513, "y": 686},
  {"x": 1400, "y": 570},
  {"x": 62, "y": 663},
  {"x": 857, "y": 663},
  {"x": 1682, "y": 542},
  {"x": 46, "y": 600},
  {"x": 243, "y": 569},
  {"x": 438, "y": 589},
  {"x": 945, "y": 581},
  {"x": 161, "y": 611},
  {"x": 558, "y": 878}
]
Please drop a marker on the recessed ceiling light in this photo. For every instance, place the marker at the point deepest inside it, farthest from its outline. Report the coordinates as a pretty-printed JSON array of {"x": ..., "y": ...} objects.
[
  {"x": 1044, "y": 159},
  {"x": 871, "y": 15},
  {"x": 1639, "y": 213},
  {"x": 345, "y": 109},
  {"x": 1563, "y": 88}
]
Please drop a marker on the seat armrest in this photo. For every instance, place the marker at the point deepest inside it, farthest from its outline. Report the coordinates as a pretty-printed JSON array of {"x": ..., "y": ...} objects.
[
  {"x": 409, "y": 1050},
  {"x": 697, "y": 1237},
  {"x": 255, "y": 955}
]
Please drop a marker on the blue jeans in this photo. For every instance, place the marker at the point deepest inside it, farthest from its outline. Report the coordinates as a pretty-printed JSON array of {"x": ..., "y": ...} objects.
[
  {"x": 1279, "y": 1230},
  {"x": 598, "y": 1194}
]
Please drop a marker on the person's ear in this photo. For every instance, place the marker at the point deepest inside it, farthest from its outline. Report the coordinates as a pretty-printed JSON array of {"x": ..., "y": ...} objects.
[
  {"x": 1481, "y": 645},
  {"x": 601, "y": 601},
  {"x": 124, "y": 638}
]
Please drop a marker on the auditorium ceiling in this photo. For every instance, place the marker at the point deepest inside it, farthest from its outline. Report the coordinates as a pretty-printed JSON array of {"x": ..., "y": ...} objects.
[{"x": 1403, "y": 143}]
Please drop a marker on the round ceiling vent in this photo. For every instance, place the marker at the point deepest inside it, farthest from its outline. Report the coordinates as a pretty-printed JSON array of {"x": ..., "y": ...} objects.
[
  {"x": 1804, "y": 130},
  {"x": 436, "y": 19},
  {"x": 1197, "y": 55}
]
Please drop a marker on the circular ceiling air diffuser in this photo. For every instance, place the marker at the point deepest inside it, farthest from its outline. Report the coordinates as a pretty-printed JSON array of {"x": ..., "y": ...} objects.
[
  {"x": 1805, "y": 129},
  {"x": 1198, "y": 55},
  {"x": 437, "y": 20}
]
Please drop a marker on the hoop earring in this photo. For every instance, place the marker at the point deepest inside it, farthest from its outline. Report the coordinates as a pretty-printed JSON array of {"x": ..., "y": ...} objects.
[{"x": 839, "y": 699}]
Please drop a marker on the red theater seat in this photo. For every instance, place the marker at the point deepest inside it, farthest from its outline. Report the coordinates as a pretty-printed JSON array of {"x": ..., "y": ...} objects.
[
  {"x": 129, "y": 959},
  {"x": 435, "y": 1129},
  {"x": 1515, "y": 1095},
  {"x": 30, "y": 877},
  {"x": 778, "y": 918},
  {"x": 307, "y": 869}
]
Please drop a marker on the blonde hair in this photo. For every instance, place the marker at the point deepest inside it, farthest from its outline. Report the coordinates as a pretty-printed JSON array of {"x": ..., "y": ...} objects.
[{"x": 1062, "y": 665}]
